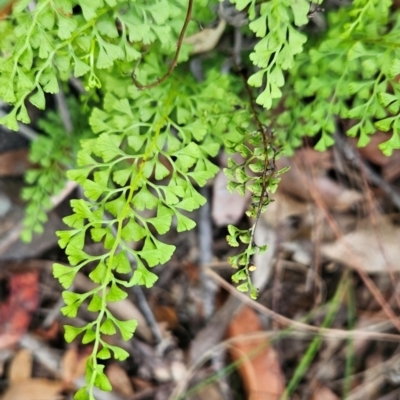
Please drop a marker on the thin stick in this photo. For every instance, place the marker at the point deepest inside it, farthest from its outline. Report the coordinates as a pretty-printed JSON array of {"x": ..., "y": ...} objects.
[
  {"x": 206, "y": 256},
  {"x": 64, "y": 111},
  {"x": 327, "y": 332}
]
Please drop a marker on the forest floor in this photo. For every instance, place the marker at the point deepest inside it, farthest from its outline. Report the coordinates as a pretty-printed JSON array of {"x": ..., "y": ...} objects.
[{"x": 325, "y": 325}]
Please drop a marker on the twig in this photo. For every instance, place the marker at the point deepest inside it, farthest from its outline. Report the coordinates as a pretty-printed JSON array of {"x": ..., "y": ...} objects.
[
  {"x": 206, "y": 255},
  {"x": 174, "y": 61},
  {"x": 54, "y": 312},
  {"x": 282, "y": 320},
  {"x": 144, "y": 307},
  {"x": 64, "y": 111},
  {"x": 216, "y": 327},
  {"x": 77, "y": 85}
]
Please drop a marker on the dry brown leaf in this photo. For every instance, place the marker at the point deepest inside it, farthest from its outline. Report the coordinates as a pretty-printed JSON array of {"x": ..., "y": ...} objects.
[
  {"x": 14, "y": 162},
  {"x": 206, "y": 39},
  {"x": 141, "y": 384},
  {"x": 73, "y": 365},
  {"x": 21, "y": 367},
  {"x": 35, "y": 389},
  {"x": 210, "y": 392},
  {"x": 16, "y": 311},
  {"x": 167, "y": 314},
  {"x": 282, "y": 208},
  {"x": 119, "y": 379},
  {"x": 23, "y": 387},
  {"x": 260, "y": 370},
  {"x": 307, "y": 178},
  {"x": 374, "y": 249},
  {"x": 324, "y": 393}
]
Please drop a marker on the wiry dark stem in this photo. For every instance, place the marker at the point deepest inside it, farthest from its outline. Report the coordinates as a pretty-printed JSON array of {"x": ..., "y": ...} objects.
[
  {"x": 269, "y": 164},
  {"x": 174, "y": 61}
]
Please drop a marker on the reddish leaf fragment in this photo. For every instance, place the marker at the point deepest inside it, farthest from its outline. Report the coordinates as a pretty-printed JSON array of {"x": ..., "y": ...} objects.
[
  {"x": 259, "y": 369},
  {"x": 16, "y": 311}
]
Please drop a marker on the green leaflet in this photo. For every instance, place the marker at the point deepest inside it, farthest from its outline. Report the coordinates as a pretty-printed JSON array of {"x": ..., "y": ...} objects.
[{"x": 280, "y": 42}]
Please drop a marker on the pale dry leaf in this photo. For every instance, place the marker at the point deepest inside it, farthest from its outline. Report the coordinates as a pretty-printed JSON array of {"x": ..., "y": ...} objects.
[
  {"x": 23, "y": 387},
  {"x": 178, "y": 370},
  {"x": 283, "y": 208},
  {"x": 119, "y": 379},
  {"x": 264, "y": 235},
  {"x": 375, "y": 249},
  {"x": 206, "y": 39},
  {"x": 307, "y": 179},
  {"x": 35, "y": 389},
  {"x": 73, "y": 365},
  {"x": 311, "y": 159},
  {"x": 324, "y": 393},
  {"x": 227, "y": 208},
  {"x": 21, "y": 367}
]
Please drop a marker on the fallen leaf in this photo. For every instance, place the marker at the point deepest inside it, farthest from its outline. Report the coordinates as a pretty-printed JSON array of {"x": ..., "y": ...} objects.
[
  {"x": 16, "y": 311},
  {"x": 264, "y": 235},
  {"x": 21, "y": 366},
  {"x": 35, "y": 389},
  {"x": 14, "y": 162},
  {"x": 73, "y": 365},
  {"x": 374, "y": 249},
  {"x": 206, "y": 39},
  {"x": 210, "y": 392},
  {"x": 119, "y": 379},
  {"x": 324, "y": 393},
  {"x": 23, "y": 387},
  {"x": 167, "y": 314},
  {"x": 289, "y": 216},
  {"x": 227, "y": 208},
  {"x": 307, "y": 178},
  {"x": 259, "y": 365}
]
